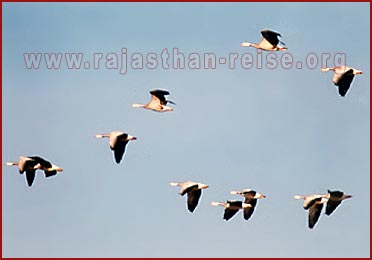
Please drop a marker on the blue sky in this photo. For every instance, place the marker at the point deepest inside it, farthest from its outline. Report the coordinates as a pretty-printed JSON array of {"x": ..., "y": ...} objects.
[{"x": 281, "y": 132}]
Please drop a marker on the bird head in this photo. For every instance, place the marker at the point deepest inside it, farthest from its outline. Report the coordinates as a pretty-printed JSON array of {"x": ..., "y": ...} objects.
[{"x": 131, "y": 138}]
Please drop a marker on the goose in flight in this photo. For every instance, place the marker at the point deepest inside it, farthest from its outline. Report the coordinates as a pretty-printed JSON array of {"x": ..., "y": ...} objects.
[
  {"x": 270, "y": 42},
  {"x": 193, "y": 190},
  {"x": 313, "y": 203},
  {"x": 251, "y": 197},
  {"x": 343, "y": 77},
  {"x": 232, "y": 207},
  {"x": 30, "y": 164},
  {"x": 118, "y": 142},
  {"x": 334, "y": 199},
  {"x": 158, "y": 101}
]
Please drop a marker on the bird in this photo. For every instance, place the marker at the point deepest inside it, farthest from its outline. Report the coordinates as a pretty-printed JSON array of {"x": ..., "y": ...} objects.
[
  {"x": 193, "y": 191},
  {"x": 118, "y": 142},
  {"x": 343, "y": 77},
  {"x": 232, "y": 207},
  {"x": 251, "y": 197},
  {"x": 334, "y": 199},
  {"x": 30, "y": 164},
  {"x": 313, "y": 203},
  {"x": 158, "y": 101},
  {"x": 270, "y": 42}
]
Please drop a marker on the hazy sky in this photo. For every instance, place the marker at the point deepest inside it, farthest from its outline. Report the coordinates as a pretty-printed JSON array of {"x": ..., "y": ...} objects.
[{"x": 279, "y": 131}]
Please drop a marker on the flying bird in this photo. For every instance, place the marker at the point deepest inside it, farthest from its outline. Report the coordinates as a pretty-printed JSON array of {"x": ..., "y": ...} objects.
[
  {"x": 118, "y": 142},
  {"x": 251, "y": 197},
  {"x": 232, "y": 207},
  {"x": 313, "y": 203},
  {"x": 193, "y": 191},
  {"x": 334, "y": 199},
  {"x": 343, "y": 77},
  {"x": 158, "y": 101},
  {"x": 30, "y": 164},
  {"x": 270, "y": 42}
]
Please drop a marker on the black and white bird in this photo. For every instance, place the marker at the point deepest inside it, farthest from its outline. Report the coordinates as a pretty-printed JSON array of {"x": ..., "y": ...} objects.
[
  {"x": 251, "y": 197},
  {"x": 118, "y": 143},
  {"x": 343, "y": 77},
  {"x": 334, "y": 199},
  {"x": 270, "y": 42},
  {"x": 158, "y": 101},
  {"x": 30, "y": 164},
  {"x": 193, "y": 191},
  {"x": 313, "y": 203},
  {"x": 232, "y": 207}
]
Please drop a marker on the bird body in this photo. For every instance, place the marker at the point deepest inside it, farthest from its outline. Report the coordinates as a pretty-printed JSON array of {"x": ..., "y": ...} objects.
[
  {"x": 270, "y": 42},
  {"x": 193, "y": 191},
  {"x": 313, "y": 203},
  {"x": 342, "y": 78},
  {"x": 30, "y": 164},
  {"x": 251, "y": 197},
  {"x": 158, "y": 101},
  {"x": 118, "y": 142},
  {"x": 232, "y": 207}
]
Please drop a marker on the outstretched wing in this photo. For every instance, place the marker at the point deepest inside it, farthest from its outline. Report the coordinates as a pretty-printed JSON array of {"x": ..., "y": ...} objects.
[
  {"x": 247, "y": 212},
  {"x": 229, "y": 213},
  {"x": 158, "y": 95},
  {"x": 193, "y": 197},
  {"x": 44, "y": 163},
  {"x": 118, "y": 145},
  {"x": 30, "y": 177},
  {"x": 344, "y": 82},
  {"x": 331, "y": 206},
  {"x": 119, "y": 150},
  {"x": 314, "y": 214},
  {"x": 271, "y": 37}
]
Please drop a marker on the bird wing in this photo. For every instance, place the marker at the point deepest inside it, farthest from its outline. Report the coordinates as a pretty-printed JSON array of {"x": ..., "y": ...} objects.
[
  {"x": 229, "y": 213},
  {"x": 26, "y": 164},
  {"x": 44, "y": 163},
  {"x": 271, "y": 37},
  {"x": 118, "y": 144},
  {"x": 119, "y": 150},
  {"x": 158, "y": 95},
  {"x": 50, "y": 173},
  {"x": 187, "y": 187},
  {"x": 193, "y": 197},
  {"x": 331, "y": 206},
  {"x": 247, "y": 212},
  {"x": 343, "y": 81},
  {"x": 314, "y": 214},
  {"x": 30, "y": 177}
]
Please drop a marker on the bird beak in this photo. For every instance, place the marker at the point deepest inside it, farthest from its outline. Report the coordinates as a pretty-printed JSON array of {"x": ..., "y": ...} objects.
[
  {"x": 99, "y": 136},
  {"x": 134, "y": 138},
  {"x": 359, "y": 72}
]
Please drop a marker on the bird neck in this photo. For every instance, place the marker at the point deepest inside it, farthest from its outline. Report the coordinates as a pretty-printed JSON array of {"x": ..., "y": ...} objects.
[{"x": 138, "y": 105}]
